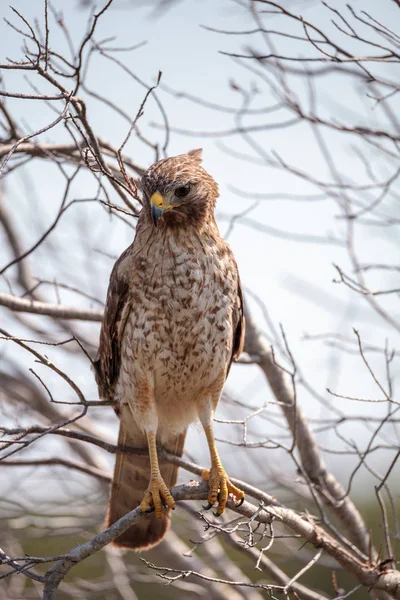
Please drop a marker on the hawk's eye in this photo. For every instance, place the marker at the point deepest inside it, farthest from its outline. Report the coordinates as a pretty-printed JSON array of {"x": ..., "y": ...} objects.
[{"x": 182, "y": 191}]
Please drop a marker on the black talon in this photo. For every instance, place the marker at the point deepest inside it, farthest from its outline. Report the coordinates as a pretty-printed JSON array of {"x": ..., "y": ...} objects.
[
  {"x": 207, "y": 506},
  {"x": 240, "y": 503},
  {"x": 150, "y": 510},
  {"x": 217, "y": 514}
]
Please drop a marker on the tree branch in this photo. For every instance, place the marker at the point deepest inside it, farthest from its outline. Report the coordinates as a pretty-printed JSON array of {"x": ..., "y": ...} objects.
[{"x": 50, "y": 310}]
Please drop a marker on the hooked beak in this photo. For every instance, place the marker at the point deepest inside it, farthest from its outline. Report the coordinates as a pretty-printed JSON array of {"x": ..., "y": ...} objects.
[
  {"x": 158, "y": 205},
  {"x": 156, "y": 213}
]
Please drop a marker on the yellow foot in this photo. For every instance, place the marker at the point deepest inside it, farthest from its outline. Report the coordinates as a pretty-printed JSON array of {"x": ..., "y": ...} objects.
[
  {"x": 218, "y": 481},
  {"x": 156, "y": 494}
]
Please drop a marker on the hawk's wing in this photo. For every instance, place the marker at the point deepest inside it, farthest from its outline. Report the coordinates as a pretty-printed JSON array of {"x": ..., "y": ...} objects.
[
  {"x": 108, "y": 361},
  {"x": 239, "y": 325}
]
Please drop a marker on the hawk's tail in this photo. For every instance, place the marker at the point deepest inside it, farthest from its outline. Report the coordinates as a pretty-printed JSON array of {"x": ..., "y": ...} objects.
[{"x": 130, "y": 481}]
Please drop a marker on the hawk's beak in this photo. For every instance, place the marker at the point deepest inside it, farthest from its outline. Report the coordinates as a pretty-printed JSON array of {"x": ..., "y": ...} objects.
[
  {"x": 156, "y": 213},
  {"x": 159, "y": 204}
]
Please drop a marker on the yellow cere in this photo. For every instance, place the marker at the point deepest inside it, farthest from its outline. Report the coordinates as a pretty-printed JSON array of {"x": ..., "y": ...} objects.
[
  {"x": 157, "y": 199},
  {"x": 161, "y": 201}
]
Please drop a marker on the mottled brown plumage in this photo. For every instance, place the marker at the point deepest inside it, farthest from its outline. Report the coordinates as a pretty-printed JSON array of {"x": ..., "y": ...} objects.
[{"x": 173, "y": 323}]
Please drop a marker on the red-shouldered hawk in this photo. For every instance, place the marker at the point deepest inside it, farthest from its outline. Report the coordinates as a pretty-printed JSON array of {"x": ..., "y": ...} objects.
[{"x": 172, "y": 325}]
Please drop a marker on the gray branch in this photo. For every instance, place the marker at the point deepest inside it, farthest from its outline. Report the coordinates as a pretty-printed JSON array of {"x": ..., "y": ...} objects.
[
  {"x": 49, "y": 310},
  {"x": 331, "y": 491},
  {"x": 370, "y": 576}
]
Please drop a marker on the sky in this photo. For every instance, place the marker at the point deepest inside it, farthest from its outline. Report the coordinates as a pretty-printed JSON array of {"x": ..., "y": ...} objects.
[{"x": 292, "y": 275}]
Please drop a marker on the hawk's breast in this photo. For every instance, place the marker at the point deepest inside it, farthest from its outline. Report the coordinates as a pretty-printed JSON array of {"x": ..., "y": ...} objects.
[{"x": 179, "y": 332}]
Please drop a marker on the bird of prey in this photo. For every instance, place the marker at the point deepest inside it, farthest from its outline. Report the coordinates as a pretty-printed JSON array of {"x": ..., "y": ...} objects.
[{"x": 173, "y": 324}]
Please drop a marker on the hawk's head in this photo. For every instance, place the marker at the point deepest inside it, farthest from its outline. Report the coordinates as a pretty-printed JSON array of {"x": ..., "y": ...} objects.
[{"x": 178, "y": 191}]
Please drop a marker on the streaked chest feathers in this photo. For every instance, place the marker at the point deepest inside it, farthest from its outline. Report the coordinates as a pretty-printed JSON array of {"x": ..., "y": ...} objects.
[{"x": 180, "y": 327}]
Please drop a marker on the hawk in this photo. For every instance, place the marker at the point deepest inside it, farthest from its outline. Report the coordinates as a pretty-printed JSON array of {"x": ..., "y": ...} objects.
[{"x": 173, "y": 324}]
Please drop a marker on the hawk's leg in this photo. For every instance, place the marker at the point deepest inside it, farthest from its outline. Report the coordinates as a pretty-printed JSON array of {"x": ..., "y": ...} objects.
[
  {"x": 157, "y": 493},
  {"x": 217, "y": 478}
]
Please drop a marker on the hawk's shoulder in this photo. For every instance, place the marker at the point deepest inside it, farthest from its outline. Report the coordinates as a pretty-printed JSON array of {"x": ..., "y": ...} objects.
[{"x": 117, "y": 309}]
